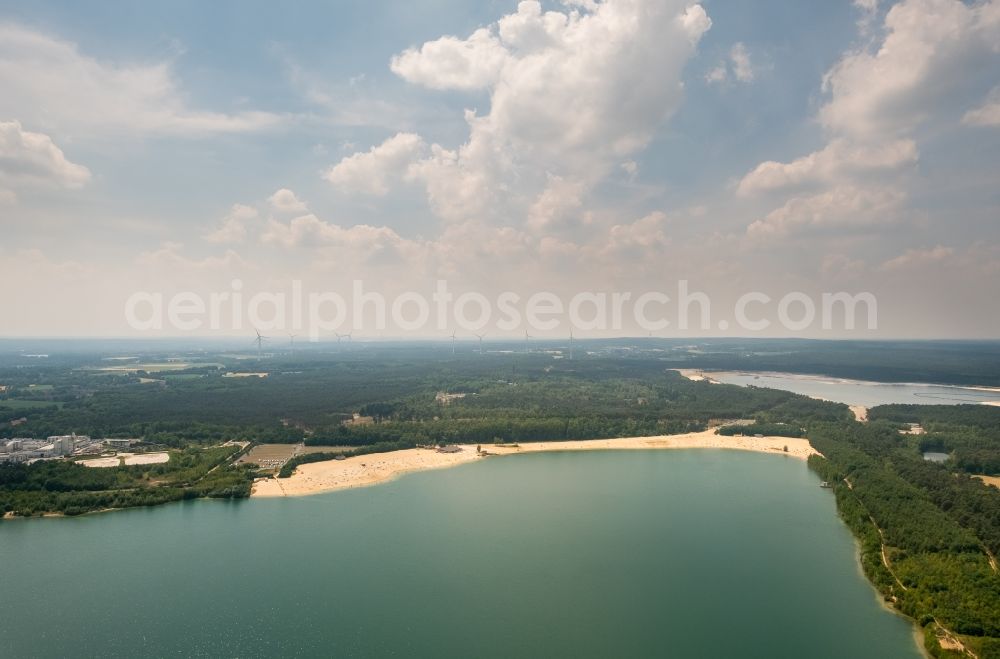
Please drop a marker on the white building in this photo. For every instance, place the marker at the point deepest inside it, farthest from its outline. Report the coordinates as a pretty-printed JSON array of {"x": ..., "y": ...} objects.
[{"x": 64, "y": 444}]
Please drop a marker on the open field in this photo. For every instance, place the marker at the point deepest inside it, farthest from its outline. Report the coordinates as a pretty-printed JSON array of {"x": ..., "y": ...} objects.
[
  {"x": 110, "y": 461},
  {"x": 269, "y": 456},
  {"x": 146, "y": 458},
  {"x": 128, "y": 459}
]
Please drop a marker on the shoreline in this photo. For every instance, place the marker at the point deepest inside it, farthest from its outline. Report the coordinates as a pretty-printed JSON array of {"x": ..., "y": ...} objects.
[{"x": 375, "y": 468}]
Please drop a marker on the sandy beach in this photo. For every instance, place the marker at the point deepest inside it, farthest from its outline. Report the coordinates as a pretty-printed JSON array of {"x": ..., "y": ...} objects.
[
  {"x": 860, "y": 412},
  {"x": 695, "y": 375},
  {"x": 375, "y": 468}
]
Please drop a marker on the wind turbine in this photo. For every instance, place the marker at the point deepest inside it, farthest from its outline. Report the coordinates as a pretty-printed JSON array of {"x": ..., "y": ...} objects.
[
  {"x": 571, "y": 344},
  {"x": 480, "y": 342},
  {"x": 339, "y": 337},
  {"x": 292, "y": 338},
  {"x": 526, "y": 337},
  {"x": 453, "y": 343},
  {"x": 259, "y": 341}
]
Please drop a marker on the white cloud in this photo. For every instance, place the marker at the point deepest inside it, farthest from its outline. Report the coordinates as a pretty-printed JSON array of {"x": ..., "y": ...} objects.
[
  {"x": 717, "y": 75},
  {"x": 371, "y": 172},
  {"x": 284, "y": 200},
  {"x": 233, "y": 228},
  {"x": 918, "y": 258},
  {"x": 838, "y": 160},
  {"x": 170, "y": 258},
  {"x": 738, "y": 64},
  {"x": 879, "y": 95},
  {"x": 843, "y": 207},
  {"x": 987, "y": 114},
  {"x": 360, "y": 249},
  {"x": 453, "y": 63},
  {"x": 571, "y": 94},
  {"x": 559, "y": 203},
  {"x": 60, "y": 88},
  {"x": 646, "y": 233},
  {"x": 740, "y": 58},
  {"x": 30, "y": 159},
  {"x": 918, "y": 70}
]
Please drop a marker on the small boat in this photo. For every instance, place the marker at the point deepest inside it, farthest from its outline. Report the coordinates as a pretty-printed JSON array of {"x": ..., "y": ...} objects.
[{"x": 826, "y": 484}]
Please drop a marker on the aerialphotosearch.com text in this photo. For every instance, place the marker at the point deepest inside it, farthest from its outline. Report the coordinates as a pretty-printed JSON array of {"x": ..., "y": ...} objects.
[{"x": 319, "y": 314}]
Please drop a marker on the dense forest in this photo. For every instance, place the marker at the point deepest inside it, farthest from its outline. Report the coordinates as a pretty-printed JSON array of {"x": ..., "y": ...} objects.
[
  {"x": 57, "y": 486},
  {"x": 970, "y": 434},
  {"x": 929, "y": 536}
]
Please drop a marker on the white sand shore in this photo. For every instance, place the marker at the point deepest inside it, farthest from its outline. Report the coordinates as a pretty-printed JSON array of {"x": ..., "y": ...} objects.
[
  {"x": 318, "y": 477},
  {"x": 860, "y": 412},
  {"x": 695, "y": 375}
]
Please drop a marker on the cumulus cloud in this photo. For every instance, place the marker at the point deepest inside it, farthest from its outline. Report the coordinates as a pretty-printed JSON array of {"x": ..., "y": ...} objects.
[
  {"x": 453, "y": 63},
  {"x": 918, "y": 69},
  {"x": 558, "y": 204},
  {"x": 838, "y": 160},
  {"x": 284, "y": 200},
  {"x": 878, "y": 96},
  {"x": 571, "y": 94},
  {"x": 29, "y": 159},
  {"x": 648, "y": 232},
  {"x": 843, "y": 207},
  {"x": 233, "y": 228},
  {"x": 371, "y": 172},
  {"x": 51, "y": 81},
  {"x": 919, "y": 258}
]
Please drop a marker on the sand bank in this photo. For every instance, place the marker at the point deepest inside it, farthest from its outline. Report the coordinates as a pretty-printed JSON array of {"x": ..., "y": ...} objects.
[
  {"x": 318, "y": 477},
  {"x": 695, "y": 375},
  {"x": 860, "y": 412},
  {"x": 990, "y": 480}
]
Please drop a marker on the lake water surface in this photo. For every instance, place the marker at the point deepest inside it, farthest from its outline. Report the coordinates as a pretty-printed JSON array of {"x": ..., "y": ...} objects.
[
  {"x": 688, "y": 553},
  {"x": 860, "y": 392}
]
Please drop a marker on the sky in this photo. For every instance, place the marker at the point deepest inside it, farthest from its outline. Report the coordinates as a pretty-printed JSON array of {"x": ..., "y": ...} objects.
[{"x": 772, "y": 147}]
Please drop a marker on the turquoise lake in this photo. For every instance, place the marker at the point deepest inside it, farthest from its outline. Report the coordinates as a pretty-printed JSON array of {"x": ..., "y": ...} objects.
[{"x": 686, "y": 553}]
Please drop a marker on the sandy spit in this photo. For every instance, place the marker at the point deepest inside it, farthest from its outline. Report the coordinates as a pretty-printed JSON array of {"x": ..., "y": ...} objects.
[{"x": 362, "y": 470}]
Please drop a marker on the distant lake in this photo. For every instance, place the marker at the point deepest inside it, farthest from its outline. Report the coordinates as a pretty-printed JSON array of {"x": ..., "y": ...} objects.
[
  {"x": 688, "y": 553},
  {"x": 860, "y": 392}
]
